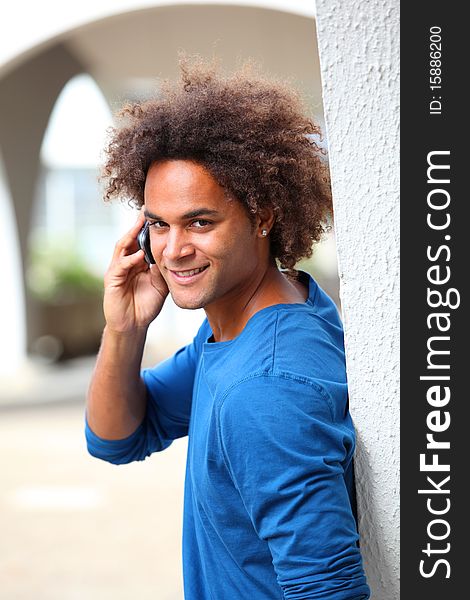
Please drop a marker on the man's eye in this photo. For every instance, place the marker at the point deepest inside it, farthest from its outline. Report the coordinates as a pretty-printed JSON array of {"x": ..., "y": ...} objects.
[
  {"x": 157, "y": 224},
  {"x": 201, "y": 223}
]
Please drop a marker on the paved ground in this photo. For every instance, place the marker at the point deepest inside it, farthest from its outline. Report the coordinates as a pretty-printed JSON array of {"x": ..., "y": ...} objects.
[{"x": 76, "y": 528}]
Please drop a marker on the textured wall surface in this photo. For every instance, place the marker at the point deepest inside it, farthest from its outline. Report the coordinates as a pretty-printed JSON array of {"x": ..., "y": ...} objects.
[{"x": 359, "y": 57}]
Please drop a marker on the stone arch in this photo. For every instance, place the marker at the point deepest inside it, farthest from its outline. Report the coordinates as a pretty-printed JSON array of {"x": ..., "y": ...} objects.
[{"x": 27, "y": 97}]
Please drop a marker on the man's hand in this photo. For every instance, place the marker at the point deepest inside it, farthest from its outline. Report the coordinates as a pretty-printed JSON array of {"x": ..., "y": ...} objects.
[{"x": 133, "y": 293}]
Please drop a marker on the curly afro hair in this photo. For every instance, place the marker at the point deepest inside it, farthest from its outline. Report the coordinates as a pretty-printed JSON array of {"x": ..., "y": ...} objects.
[{"x": 249, "y": 132}]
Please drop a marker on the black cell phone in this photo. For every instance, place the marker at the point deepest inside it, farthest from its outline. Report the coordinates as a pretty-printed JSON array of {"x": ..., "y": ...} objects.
[{"x": 143, "y": 239}]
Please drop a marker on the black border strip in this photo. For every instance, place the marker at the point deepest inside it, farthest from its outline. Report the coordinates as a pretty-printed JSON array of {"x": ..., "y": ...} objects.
[{"x": 433, "y": 301}]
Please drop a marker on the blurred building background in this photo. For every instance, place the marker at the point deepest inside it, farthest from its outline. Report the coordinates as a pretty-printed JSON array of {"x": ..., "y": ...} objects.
[
  {"x": 72, "y": 527},
  {"x": 56, "y": 101}
]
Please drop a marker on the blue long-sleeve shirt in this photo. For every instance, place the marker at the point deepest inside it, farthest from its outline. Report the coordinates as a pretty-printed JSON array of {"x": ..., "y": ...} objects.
[{"x": 269, "y": 493}]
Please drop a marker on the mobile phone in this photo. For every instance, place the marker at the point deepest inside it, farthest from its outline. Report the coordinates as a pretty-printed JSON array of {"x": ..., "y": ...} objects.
[{"x": 143, "y": 239}]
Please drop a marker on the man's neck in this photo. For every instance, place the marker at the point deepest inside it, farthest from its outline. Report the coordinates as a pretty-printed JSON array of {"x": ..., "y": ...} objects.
[{"x": 229, "y": 316}]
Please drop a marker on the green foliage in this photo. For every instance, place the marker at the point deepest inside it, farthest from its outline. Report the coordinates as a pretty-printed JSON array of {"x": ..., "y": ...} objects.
[{"x": 55, "y": 275}]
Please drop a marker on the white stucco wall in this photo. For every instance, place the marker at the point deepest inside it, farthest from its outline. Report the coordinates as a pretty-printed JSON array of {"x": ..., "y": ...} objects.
[{"x": 359, "y": 56}]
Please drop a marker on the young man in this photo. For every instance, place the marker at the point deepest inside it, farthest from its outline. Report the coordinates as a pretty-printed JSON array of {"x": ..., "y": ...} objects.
[{"x": 231, "y": 185}]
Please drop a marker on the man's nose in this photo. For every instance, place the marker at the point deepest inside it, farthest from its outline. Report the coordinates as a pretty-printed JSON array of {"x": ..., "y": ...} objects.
[{"x": 177, "y": 246}]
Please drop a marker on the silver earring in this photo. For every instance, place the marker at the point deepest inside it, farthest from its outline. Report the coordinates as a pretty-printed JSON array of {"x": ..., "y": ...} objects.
[{"x": 264, "y": 232}]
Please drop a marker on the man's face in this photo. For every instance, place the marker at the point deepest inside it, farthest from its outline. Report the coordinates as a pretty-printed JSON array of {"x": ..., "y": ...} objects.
[{"x": 204, "y": 244}]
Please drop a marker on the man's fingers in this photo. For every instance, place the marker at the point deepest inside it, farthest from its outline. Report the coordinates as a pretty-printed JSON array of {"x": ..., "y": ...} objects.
[
  {"x": 122, "y": 266},
  {"x": 131, "y": 260}
]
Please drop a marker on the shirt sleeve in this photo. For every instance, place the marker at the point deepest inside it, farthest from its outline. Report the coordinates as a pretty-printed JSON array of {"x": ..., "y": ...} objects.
[
  {"x": 169, "y": 388},
  {"x": 287, "y": 457}
]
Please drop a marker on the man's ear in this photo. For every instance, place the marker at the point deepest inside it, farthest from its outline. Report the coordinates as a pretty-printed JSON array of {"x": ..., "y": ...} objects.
[{"x": 265, "y": 220}]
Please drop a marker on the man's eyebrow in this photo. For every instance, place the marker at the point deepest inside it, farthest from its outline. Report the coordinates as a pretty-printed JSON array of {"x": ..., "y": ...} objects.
[{"x": 198, "y": 212}]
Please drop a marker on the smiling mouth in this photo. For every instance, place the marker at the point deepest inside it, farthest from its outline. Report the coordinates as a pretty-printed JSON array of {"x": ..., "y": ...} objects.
[{"x": 190, "y": 272}]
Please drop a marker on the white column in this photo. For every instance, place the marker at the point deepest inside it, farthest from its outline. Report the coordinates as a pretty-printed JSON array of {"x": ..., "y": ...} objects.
[
  {"x": 359, "y": 57},
  {"x": 12, "y": 307}
]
